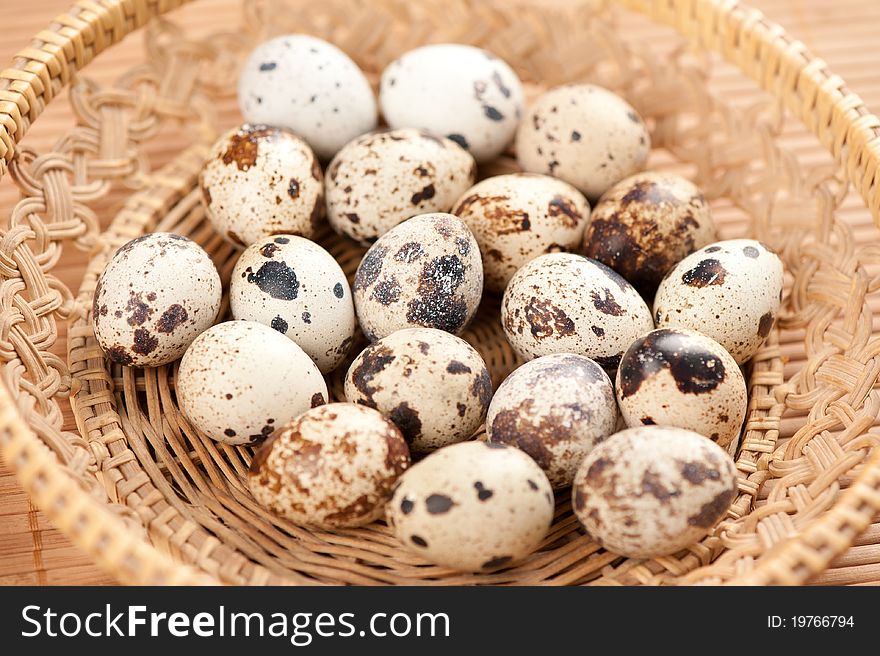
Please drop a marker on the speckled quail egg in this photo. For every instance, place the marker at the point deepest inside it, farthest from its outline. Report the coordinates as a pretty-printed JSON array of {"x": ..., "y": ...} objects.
[
  {"x": 424, "y": 272},
  {"x": 309, "y": 86},
  {"x": 458, "y": 91},
  {"x": 585, "y": 135},
  {"x": 333, "y": 466},
  {"x": 651, "y": 491},
  {"x": 644, "y": 225},
  {"x": 565, "y": 303},
  {"x": 433, "y": 385},
  {"x": 239, "y": 380},
  {"x": 145, "y": 313},
  {"x": 730, "y": 291},
  {"x": 519, "y": 216},
  {"x": 384, "y": 178},
  {"x": 474, "y": 506},
  {"x": 679, "y": 377},
  {"x": 556, "y": 409},
  {"x": 296, "y": 287}
]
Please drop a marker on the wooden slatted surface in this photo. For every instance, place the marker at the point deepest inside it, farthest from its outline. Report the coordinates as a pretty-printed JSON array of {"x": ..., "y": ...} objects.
[{"x": 842, "y": 32}]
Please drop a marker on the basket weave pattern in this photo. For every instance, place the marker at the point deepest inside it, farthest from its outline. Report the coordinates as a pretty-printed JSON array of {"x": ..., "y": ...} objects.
[{"x": 154, "y": 501}]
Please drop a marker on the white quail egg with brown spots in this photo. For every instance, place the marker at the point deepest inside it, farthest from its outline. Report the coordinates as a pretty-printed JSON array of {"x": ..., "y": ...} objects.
[
  {"x": 651, "y": 491},
  {"x": 309, "y": 86},
  {"x": 334, "y": 466},
  {"x": 145, "y": 312},
  {"x": 565, "y": 303},
  {"x": 424, "y": 272},
  {"x": 260, "y": 181},
  {"x": 383, "y": 178},
  {"x": 519, "y": 216},
  {"x": 240, "y": 380},
  {"x": 474, "y": 506},
  {"x": 585, "y": 135},
  {"x": 646, "y": 224},
  {"x": 730, "y": 291},
  {"x": 457, "y": 91},
  {"x": 555, "y": 408},
  {"x": 296, "y": 287},
  {"x": 679, "y": 377},
  {"x": 433, "y": 385}
]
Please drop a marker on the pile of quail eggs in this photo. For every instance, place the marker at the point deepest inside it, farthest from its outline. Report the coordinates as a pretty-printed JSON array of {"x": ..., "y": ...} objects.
[{"x": 633, "y": 408}]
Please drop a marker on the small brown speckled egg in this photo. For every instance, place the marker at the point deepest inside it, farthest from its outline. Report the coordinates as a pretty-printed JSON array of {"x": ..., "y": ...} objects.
[
  {"x": 646, "y": 224},
  {"x": 730, "y": 291},
  {"x": 556, "y": 409},
  {"x": 145, "y": 313},
  {"x": 652, "y": 491},
  {"x": 296, "y": 287},
  {"x": 519, "y": 216},
  {"x": 334, "y": 466},
  {"x": 433, "y": 385},
  {"x": 585, "y": 135},
  {"x": 260, "y": 181},
  {"x": 679, "y": 377},
  {"x": 383, "y": 178},
  {"x": 424, "y": 272},
  {"x": 565, "y": 303},
  {"x": 474, "y": 506},
  {"x": 239, "y": 380}
]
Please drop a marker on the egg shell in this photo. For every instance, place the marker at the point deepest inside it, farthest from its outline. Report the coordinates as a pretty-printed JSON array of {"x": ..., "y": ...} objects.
[
  {"x": 458, "y": 91},
  {"x": 424, "y": 272},
  {"x": 240, "y": 380},
  {"x": 333, "y": 466},
  {"x": 565, "y": 303},
  {"x": 519, "y": 216},
  {"x": 651, "y": 491},
  {"x": 383, "y": 178},
  {"x": 145, "y": 313},
  {"x": 293, "y": 285},
  {"x": 433, "y": 385},
  {"x": 730, "y": 291},
  {"x": 309, "y": 86},
  {"x": 473, "y": 506},
  {"x": 646, "y": 224},
  {"x": 259, "y": 181},
  {"x": 556, "y": 409},
  {"x": 585, "y": 135},
  {"x": 679, "y": 377}
]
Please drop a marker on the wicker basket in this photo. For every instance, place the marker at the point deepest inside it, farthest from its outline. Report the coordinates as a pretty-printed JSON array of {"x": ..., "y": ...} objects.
[{"x": 155, "y": 502}]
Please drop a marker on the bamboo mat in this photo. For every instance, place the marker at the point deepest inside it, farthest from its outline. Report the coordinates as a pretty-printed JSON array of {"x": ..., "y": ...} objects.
[{"x": 32, "y": 552}]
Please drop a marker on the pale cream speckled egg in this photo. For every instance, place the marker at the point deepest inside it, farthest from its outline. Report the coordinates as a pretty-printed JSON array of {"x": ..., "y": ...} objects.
[
  {"x": 730, "y": 291},
  {"x": 334, "y": 466},
  {"x": 297, "y": 288},
  {"x": 424, "y": 272},
  {"x": 519, "y": 216},
  {"x": 433, "y": 385},
  {"x": 565, "y": 303},
  {"x": 259, "y": 181},
  {"x": 555, "y": 408},
  {"x": 651, "y": 491},
  {"x": 386, "y": 177},
  {"x": 474, "y": 506},
  {"x": 585, "y": 135},
  {"x": 679, "y": 377},
  {"x": 145, "y": 313},
  {"x": 240, "y": 380}
]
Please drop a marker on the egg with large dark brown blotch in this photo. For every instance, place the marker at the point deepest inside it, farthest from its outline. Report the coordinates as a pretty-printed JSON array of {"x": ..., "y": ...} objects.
[
  {"x": 519, "y": 216},
  {"x": 651, "y": 491},
  {"x": 730, "y": 291},
  {"x": 679, "y": 377},
  {"x": 425, "y": 272},
  {"x": 644, "y": 225}
]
